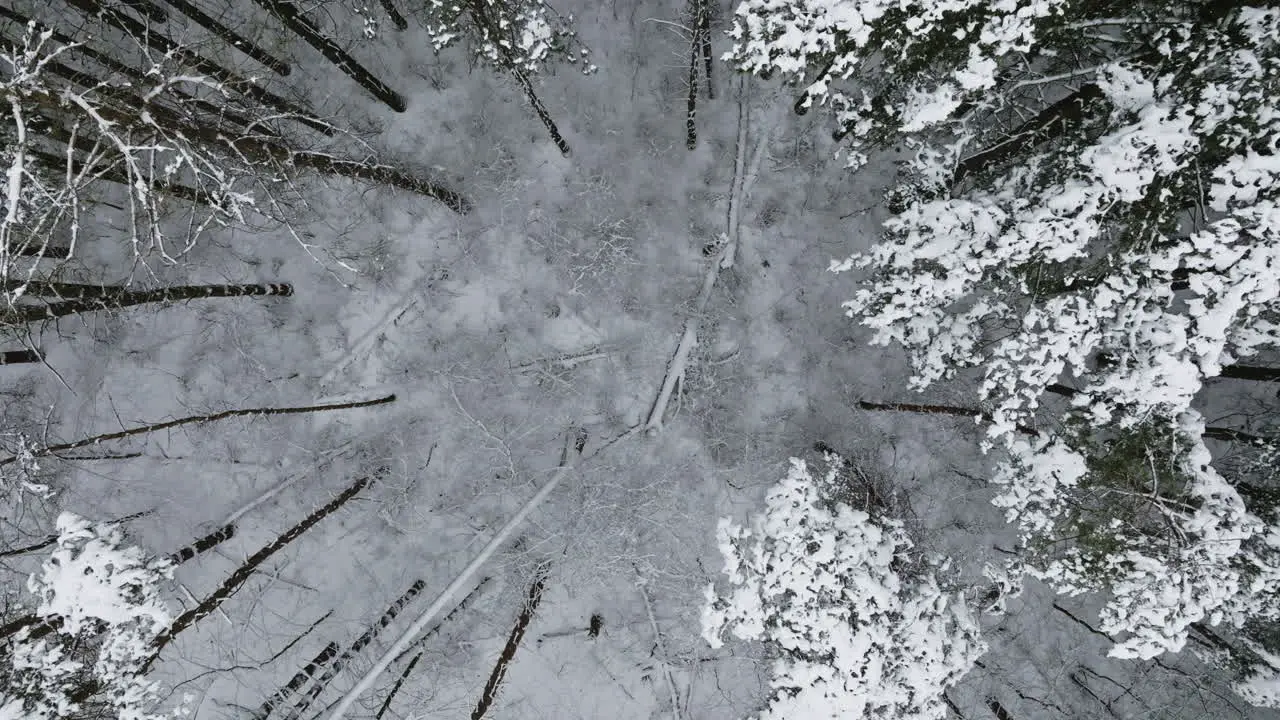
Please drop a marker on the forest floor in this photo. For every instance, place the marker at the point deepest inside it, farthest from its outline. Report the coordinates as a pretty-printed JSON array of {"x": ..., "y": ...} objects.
[{"x": 558, "y": 303}]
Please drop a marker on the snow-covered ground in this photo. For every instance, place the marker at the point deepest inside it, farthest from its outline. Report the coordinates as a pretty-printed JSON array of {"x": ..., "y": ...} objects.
[{"x": 560, "y": 302}]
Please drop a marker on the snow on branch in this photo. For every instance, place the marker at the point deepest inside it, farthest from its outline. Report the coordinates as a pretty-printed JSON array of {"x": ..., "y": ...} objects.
[
  {"x": 104, "y": 599},
  {"x": 822, "y": 582}
]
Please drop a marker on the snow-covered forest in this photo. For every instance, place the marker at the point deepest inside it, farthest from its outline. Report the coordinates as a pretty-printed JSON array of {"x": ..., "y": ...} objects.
[{"x": 689, "y": 359}]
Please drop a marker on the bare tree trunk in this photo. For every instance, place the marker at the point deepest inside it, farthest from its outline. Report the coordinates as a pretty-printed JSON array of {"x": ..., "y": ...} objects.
[
  {"x": 462, "y": 579},
  {"x": 389, "y": 7},
  {"x": 204, "y": 544},
  {"x": 436, "y": 628},
  {"x": 704, "y": 32},
  {"x": 160, "y": 43},
  {"x": 141, "y": 80},
  {"x": 369, "y": 636},
  {"x": 539, "y": 109},
  {"x": 19, "y": 357},
  {"x": 229, "y": 36},
  {"x": 1054, "y": 120},
  {"x": 198, "y": 420},
  {"x": 384, "y": 174},
  {"x": 243, "y": 573},
  {"x": 690, "y": 116},
  {"x": 297, "y": 681},
  {"x": 513, "y": 643},
  {"x": 293, "y": 19},
  {"x": 123, "y": 298},
  {"x": 396, "y": 688}
]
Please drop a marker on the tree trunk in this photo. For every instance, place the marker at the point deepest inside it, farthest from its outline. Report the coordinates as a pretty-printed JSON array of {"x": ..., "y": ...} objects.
[
  {"x": 162, "y": 44},
  {"x": 293, "y": 19},
  {"x": 513, "y": 643},
  {"x": 396, "y": 688},
  {"x": 208, "y": 542},
  {"x": 691, "y": 108},
  {"x": 19, "y": 357},
  {"x": 198, "y": 420},
  {"x": 242, "y": 573},
  {"x": 369, "y": 636},
  {"x": 462, "y": 579},
  {"x": 297, "y": 681},
  {"x": 229, "y": 36},
  {"x": 120, "y": 298},
  {"x": 436, "y": 628},
  {"x": 384, "y": 174},
  {"x": 389, "y": 7},
  {"x": 540, "y": 110},
  {"x": 138, "y": 77},
  {"x": 1055, "y": 120},
  {"x": 704, "y": 30}
]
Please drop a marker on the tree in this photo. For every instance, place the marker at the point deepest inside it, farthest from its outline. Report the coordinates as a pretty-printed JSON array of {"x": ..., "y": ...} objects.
[
  {"x": 519, "y": 38},
  {"x": 109, "y": 600},
  {"x": 293, "y": 18},
  {"x": 1088, "y": 180},
  {"x": 828, "y": 587}
]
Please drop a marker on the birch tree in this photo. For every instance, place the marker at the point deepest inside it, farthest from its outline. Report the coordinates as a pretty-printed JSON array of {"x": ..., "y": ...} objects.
[{"x": 1089, "y": 202}]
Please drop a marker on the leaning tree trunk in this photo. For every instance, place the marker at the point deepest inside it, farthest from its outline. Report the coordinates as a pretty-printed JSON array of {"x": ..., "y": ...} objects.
[
  {"x": 230, "y": 37},
  {"x": 120, "y": 298},
  {"x": 162, "y": 44},
  {"x": 397, "y": 19},
  {"x": 382, "y": 710},
  {"x": 1054, "y": 120},
  {"x": 304, "y": 702},
  {"x": 297, "y": 681},
  {"x": 140, "y": 79},
  {"x": 539, "y": 109},
  {"x": 293, "y": 19},
  {"x": 197, "y": 420},
  {"x": 246, "y": 570},
  {"x": 513, "y": 643}
]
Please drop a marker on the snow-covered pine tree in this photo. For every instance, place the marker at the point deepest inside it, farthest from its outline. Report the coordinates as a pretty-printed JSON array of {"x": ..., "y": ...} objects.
[
  {"x": 826, "y": 586},
  {"x": 520, "y": 37},
  {"x": 1090, "y": 201},
  {"x": 104, "y": 600}
]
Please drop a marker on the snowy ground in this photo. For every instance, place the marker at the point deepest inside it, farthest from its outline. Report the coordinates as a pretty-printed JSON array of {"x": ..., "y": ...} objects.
[{"x": 598, "y": 258}]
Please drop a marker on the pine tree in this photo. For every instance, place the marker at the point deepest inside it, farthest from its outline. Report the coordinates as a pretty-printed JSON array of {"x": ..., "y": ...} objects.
[
  {"x": 825, "y": 585},
  {"x": 1087, "y": 181}
]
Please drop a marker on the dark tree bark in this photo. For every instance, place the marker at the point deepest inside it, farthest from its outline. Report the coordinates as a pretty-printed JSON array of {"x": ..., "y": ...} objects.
[
  {"x": 242, "y": 573},
  {"x": 204, "y": 544},
  {"x": 198, "y": 420},
  {"x": 20, "y": 357},
  {"x": 1056, "y": 119},
  {"x": 120, "y": 298},
  {"x": 297, "y": 681},
  {"x": 229, "y": 36},
  {"x": 691, "y": 109},
  {"x": 304, "y": 703},
  {"x": 146, "y": 10},
  {"x": 51, "y": 252},
  {"x": 213, "y": 111},
  {"x": 384, "y": 174},
  {"x": 513, "y": 643},
  {"x": 389, "y": 7},
  {"x": 540, "y": 110},
  {"x": 396, "y": 688},
  {"x": 704, "y": 32},
  {"x": 160, "y": 43},
  {"x": 295, "y": 20}
]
